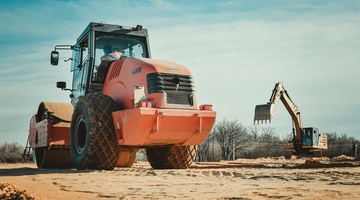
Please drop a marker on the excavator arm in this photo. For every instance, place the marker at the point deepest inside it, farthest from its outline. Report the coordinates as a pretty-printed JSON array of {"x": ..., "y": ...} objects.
[{"x": 265, "y": 112}]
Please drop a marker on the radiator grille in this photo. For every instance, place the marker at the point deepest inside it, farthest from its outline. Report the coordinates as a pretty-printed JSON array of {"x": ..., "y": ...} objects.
[{"x": 178, "y": 88}]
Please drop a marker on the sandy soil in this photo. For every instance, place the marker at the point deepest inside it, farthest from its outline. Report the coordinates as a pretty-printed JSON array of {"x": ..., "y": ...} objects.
[{"x": 264, "y": 178}]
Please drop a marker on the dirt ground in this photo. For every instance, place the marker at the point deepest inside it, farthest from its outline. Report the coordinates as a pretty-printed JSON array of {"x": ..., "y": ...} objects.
[{"x": 242, "y": 179}]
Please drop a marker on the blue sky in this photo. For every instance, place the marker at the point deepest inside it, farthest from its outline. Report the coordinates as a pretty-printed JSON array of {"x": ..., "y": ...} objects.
[{"x": 237, "y": 51}]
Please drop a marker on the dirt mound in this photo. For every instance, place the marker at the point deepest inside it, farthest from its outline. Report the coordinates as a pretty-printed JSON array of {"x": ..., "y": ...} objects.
[
  {"x": 281, "y": 162},
  {"x": 343, "y": 157},
  {"x": 321, "y": 158},
  {"x": 313, "y": 164},
  {"x": 280, "y": 158},
  {"x": 327, "y": 164},
  {"x": 9, "y": 192}
]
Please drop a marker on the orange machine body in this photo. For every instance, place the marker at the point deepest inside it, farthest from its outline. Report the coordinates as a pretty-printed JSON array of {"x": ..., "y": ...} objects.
[
  {"x": 152, "y": 118},
  {"x": 161, "y": 123},
  {"x": 145, "y": 103}
]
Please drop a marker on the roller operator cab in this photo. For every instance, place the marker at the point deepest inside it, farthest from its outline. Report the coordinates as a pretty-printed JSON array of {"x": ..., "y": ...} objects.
[{"x": 121, "y": 101}]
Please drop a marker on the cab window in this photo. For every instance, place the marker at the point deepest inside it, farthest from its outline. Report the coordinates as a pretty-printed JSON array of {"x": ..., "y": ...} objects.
[{"x": 110, "y": 48}]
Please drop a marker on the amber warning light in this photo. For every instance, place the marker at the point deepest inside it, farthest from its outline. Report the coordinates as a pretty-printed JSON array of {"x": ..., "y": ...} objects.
[
  {"x": 206, "y": 107},
  {"x": 145, "y": 104}
]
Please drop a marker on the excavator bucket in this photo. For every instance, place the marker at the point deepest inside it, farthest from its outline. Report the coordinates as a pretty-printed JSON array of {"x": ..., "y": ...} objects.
[{"x": 264, "y": 113}]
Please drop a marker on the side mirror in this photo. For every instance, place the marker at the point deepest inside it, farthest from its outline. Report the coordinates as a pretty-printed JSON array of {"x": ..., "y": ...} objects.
[
  {"x": 61, "y": 85},
  {"x": 54, "y": 58}
]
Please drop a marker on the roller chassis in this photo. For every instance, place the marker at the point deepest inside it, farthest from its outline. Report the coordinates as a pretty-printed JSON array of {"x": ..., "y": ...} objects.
[{"x": 104, "y": 125}]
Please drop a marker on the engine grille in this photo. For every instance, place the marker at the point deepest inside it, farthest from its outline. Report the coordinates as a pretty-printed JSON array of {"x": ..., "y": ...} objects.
[{"x": 178, "y": 88}]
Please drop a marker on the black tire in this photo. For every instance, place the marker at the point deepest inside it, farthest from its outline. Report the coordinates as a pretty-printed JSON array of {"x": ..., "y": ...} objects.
[
  {"x": 93, "y": 143},
  {"x": 171, "y": 157}
]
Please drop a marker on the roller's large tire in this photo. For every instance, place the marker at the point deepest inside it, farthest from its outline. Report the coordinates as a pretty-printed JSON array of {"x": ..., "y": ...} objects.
[
  {"x": 93, "y": 143},
  {"x": 173, "y": 157}
]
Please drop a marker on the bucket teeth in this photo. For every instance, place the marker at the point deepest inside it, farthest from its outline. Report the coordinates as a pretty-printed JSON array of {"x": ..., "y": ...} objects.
[{"x": 263, "y": 113}]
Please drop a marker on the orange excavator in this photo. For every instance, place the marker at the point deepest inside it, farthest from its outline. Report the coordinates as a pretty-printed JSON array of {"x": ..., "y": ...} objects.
[
  {"x": 120, "y": 102},
  {"x": 305, "y": 140}
]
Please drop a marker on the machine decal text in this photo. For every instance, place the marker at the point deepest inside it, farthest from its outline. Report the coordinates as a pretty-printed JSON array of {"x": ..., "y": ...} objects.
[{"x": 136, "y": 70}]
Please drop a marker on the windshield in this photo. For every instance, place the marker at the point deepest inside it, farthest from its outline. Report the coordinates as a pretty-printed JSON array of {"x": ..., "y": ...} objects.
[
  {"x": 109, "y": 48},
  {"x": 127, "y": 46}
]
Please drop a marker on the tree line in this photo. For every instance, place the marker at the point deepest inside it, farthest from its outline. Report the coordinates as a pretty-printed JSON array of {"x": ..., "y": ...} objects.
[
  {"x": 11, "y": 152},
  {"x": 229, "y": 140}
]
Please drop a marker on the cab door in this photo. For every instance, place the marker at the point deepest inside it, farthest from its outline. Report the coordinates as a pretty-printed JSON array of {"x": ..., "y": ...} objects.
[{"x": 80, "y": 67}]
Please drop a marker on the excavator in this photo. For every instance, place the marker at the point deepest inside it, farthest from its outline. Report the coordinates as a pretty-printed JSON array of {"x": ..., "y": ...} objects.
[{"x": 305, "y": 141}]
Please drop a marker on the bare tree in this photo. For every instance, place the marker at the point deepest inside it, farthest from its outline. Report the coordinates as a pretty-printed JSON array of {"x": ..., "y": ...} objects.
[
  {"x": 229, "y": 140},
  {"x": 11, "y": 153},
  {"x": 339, "y": 145},
  {"x": 202, "y": 153},
  {"x": 254, "y": 130},
  {"x": 268, "y": 134},
  {"x": 232, "y": 136},
  {"x": 209, "y": 150}
]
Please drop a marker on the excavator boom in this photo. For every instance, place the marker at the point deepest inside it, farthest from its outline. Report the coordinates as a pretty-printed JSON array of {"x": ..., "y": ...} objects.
[{"x": 265, "y": 112}]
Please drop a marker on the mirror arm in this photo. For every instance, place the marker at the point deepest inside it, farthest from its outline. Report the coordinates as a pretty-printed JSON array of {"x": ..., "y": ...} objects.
[
  {"x": 67, "y": 89},
  {"x": 68, "y": 59}
]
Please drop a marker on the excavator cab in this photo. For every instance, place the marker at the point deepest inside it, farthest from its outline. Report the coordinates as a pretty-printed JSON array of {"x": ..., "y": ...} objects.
[{"x": 310, "y": 136}]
